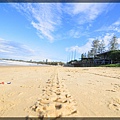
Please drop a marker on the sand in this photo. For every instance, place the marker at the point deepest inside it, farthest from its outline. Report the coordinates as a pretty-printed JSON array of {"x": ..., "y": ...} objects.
[{"x": 56, "y": 91}]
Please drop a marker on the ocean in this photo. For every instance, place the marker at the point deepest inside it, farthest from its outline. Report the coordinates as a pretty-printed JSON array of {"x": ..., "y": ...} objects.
[{"x": 17, "y": 63}]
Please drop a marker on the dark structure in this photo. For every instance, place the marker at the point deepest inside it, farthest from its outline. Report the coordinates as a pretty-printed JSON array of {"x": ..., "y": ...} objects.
[{"x": 108, "y": 57}]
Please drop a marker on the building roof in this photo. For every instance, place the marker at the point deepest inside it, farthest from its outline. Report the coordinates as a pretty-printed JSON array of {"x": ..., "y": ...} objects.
[{"x": 106, "y": 52}]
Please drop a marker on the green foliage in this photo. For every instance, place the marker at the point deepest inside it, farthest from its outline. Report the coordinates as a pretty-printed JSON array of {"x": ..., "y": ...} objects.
[
  {"x": 95, "y": 46},
  {"x": 110, "y": 65},
  {"x": 115, "y": 55},
  {"x": 101, "y": 47},
  {"x": 82, "y": 56},
  {"x": 113, "y": 45}
]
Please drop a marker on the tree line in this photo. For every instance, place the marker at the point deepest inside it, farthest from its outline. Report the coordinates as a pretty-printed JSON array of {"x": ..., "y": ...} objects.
[
  {"x": 38, "y": 62},
  {"x": 98, "y": 47}
]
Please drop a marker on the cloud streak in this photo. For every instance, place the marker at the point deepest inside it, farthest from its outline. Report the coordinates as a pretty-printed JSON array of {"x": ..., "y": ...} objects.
[
  {"x": 85, "y": 12},
  {"x": 43, "y": 17},
  {"x": 48, "y": 18},
  {"x": 113, "y": 27},
  {"x": 14, "y": 50}
]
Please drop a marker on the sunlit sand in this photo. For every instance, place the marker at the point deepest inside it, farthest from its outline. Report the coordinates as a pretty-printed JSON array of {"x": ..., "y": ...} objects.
[{"x": 59, "y": 91}]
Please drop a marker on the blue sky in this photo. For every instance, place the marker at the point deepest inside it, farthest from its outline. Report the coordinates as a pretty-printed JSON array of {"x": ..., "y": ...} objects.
[{"x": 41, "y": 31}]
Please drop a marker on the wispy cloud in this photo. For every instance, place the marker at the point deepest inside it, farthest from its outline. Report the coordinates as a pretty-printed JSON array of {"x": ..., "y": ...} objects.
[
  {"x": 113, "y": 27},
  {"x": 44, "y": 17},
  {"x": 85, "y": 12},
  {"x": 12, "y": 49},
  {"x": 15, "y": 50},
  {"x": 74, "y": 33},
  {"x": 107, "y": 38},
  {"x": 81, "y": 49},
  {"x": 47, "y": 18}
]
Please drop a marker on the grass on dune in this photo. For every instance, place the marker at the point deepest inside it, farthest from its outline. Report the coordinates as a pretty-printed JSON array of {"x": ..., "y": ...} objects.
[{"x": 111, "y": 65}]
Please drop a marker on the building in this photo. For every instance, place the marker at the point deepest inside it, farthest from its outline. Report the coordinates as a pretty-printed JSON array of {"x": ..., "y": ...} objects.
[{"x": 104, "y": 58}]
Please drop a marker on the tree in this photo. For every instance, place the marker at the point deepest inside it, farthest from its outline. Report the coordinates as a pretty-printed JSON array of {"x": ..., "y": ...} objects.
[
  {"x": 115, "y": 55},
  {"x": 83, "y": 55},
  {"x": 88, "y": 55},
  {"x": 101, "y": 48},
  {"x": 95, "y": 47},
  {"x": 113, "y": 45}
]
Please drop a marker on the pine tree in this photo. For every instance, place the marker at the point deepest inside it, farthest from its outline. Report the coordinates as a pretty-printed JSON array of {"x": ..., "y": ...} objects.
[
  {"x": 82, "y": 55},
  {"x": 85, "y": 55},
  {"x": 113, "y": 45},
  {"x": 95, "y": 47},
  {"x": 101, "y": 48},
  {"x": 89, "y": 54}
]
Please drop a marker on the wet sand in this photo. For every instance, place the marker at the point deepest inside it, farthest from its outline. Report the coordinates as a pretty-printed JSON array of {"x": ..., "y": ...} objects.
[{"x": 59, "y": 91}]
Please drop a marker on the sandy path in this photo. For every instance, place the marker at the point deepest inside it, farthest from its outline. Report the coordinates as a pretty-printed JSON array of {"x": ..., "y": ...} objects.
[
  {"x": 36, "y": 91},
  {"x": 56, "y": 100}
]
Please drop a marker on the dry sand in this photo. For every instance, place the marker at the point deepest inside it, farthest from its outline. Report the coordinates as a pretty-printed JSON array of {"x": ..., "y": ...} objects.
[{"x": 59, "y": 91}]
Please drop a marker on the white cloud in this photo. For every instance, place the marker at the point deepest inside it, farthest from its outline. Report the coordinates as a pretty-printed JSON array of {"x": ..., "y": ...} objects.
[
  {"x": 45, "y": 17},
  {"x": 81, "y": 49},
  {"x": 74, "y": 33},
  {"x": 107, "y": 38},
  {"x": 85, "y": 48},
  {"x": 115, "y": 26},
  {"x": 15, "y": 50},
  {"x": 86, "y": 12},
  {"x": 12, "y": 49},
  {"x": 117, "y": 23},
  {"x": 119, "y": 41},
  {"x": 88, "y": 27},
  {"x": 5, "y": 47}
]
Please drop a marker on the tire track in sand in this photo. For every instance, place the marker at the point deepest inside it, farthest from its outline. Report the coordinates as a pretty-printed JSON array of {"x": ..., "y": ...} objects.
[{"x": 56, "y": 101}]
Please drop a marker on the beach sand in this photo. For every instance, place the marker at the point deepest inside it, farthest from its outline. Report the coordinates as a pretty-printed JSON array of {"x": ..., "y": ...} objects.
[{"x": 56, "y": 91}]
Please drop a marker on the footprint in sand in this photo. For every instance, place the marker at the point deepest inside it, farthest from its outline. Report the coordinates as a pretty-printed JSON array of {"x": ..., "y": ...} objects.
[
  {"x": 20, "y": 93},
  {"x": 111, "y": 90},
  {"x": 89, "y": 83},
  {"x": 68, "y": 75},
  {"x": 11, "y": 94},
  {"x": 117, "y": 87},
  {"x": 26, "y": 110},
  {"x": 25, "y": 86},
  {"x": 56, "y": 101},
  {"x": 114, "y": 104},
  {"x": 2, "y": 98}
]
